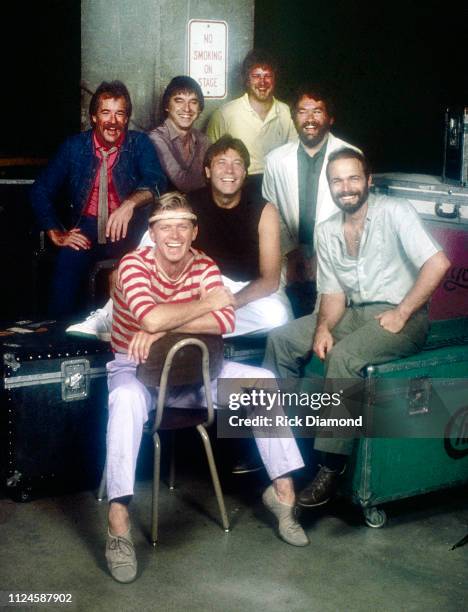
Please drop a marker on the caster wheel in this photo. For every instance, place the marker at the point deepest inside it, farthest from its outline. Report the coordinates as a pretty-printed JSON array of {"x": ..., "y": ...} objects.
[{"x": 374, "y": 517}]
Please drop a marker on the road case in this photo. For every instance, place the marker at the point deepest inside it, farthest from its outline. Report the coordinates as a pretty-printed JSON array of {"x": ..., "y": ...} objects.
[
  {"x": 53, "y": 409},
  {"x": 444, "y": 210},
  {"x": 427, "y": 392}
]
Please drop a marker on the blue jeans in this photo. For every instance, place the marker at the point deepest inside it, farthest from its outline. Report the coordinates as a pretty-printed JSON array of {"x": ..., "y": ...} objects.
[{"x": 68, "y": 296}]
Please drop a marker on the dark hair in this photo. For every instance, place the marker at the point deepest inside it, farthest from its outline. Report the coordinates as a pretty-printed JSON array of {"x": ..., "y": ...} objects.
[
  {"x": 257, "y": 57},
  {"x": 223, "y": 144},
  {"x": 349, "y": 153},
  {"x": 315, "y": 91},
  {"x": 114, "y": 89},
  {"x": 172, "y": 200},
  {"x": 182, "y": 84}
]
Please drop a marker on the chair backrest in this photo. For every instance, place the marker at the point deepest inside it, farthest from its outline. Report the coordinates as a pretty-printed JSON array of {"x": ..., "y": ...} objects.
[
  {"x": 186, "y": 366},
  {"x": 182, "y": 359}
]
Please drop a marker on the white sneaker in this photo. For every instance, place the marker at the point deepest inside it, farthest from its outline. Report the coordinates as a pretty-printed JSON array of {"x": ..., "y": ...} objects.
[{"x": 98, "y": 323}]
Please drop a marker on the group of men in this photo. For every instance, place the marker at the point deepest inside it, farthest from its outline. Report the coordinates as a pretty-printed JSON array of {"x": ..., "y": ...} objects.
[{"x": 217, "y": 257}]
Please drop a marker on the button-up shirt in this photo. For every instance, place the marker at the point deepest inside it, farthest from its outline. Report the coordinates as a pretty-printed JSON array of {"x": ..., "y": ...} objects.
[
  {"x": 393, "y": 248},
  {"x": 260, "y": 136},
  {"x": 309, "y": 169},
  {"x": 185, "y": 173}
]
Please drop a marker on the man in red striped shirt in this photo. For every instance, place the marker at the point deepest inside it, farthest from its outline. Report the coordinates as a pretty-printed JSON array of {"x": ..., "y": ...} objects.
[{"x": 173, "y": 287}]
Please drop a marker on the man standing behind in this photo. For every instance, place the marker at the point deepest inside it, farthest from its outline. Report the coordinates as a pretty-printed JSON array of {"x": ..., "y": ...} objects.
[
  {"x": 377, "y": 269},
  {"x": 107, "y": 173},
  {"x": 181, "y": 147},
  {"x": 257, "y": 118},
  {"x": 295, "y": 182}
]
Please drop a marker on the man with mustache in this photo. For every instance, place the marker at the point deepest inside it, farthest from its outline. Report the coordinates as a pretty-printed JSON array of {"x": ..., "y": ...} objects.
[
  {"x": 107, "y": 173},
  {"x": 181, "y": 149},
  {"x": 377, "y": 269},
  {"x": 257, "y": 118},
  {"x": 296, "y": 184}
]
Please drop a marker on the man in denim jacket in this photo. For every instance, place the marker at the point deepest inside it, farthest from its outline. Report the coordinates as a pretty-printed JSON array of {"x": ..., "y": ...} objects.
[{"x": 104, "y": 175}]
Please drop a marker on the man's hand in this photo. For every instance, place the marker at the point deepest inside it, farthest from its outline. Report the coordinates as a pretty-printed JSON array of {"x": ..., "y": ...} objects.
[
  {"x": 323, "y": 342},
  {"x": 71, "y": 238},
  {"x": 140, "y": 344},
  {"x": 217, "y": 298},
  {"x": 117, "y": 224},
  {"x": 392, "y": 320}
]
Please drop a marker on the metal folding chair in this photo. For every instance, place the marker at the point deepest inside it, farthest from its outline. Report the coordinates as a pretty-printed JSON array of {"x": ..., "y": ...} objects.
[{"x": 180, "y": 418}]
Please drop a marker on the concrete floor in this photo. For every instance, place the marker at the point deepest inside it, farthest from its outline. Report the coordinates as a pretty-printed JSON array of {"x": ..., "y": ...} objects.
[{"x": 56, "y": 544}]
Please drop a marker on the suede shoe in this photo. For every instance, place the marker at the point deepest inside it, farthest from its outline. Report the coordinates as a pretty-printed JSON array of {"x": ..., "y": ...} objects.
[
  {"x": 321, "y": 489},
  {"x": 121, "y": 559},
  {"x": 288, "y": 528}
]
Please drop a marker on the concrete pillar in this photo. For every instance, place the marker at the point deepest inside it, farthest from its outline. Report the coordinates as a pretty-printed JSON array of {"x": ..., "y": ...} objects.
[{"x": 144, "y": 44}]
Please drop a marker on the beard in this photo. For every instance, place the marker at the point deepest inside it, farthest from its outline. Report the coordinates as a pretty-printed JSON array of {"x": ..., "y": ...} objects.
[
  {"x": 351, "y": 208},
  {"x": 312, "y": 140}
]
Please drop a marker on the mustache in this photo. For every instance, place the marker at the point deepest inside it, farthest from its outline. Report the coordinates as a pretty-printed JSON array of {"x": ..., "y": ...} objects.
[
  {"x": 310, "y": 124},
  {"x": 345, "y": 194}
]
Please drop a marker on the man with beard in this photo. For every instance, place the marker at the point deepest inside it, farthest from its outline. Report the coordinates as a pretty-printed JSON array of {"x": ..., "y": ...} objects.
[
  {"x": 257, "y": 118},
  {"x": 377, "y": 269},
  {"x": 296, "y": 184},
  {"x": 107, "y": 173}
]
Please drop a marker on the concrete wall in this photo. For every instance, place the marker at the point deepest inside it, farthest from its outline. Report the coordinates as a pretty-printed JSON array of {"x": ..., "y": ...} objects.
[{"x": 144, "y": 44}]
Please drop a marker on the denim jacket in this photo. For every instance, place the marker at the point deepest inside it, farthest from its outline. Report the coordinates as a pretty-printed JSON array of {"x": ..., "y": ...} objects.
[{"x": 74, "y": 167}]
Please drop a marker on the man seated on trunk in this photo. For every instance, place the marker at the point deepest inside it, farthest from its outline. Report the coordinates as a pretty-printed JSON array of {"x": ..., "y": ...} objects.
[
  {"x": 181, "y": 149},
  {"x": 377, "y": 269}
]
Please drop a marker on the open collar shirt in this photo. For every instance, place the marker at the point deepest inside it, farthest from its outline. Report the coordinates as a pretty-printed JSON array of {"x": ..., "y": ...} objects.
[
  {"x": 393, "y": 248},
  {"x": 260, "y": 136},
  {"x": 185, "y": 173}
]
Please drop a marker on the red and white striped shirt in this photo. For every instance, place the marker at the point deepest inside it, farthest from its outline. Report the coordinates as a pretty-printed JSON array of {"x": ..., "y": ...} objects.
[{"x": 142, "y": 285}]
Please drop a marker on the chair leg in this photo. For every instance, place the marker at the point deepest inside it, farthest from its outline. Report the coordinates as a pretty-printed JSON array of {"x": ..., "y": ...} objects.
[
  {"x": 102, "y": 485},
  {"x": 156, "y": 476},
  {"x": 172, "y": 465},
  {"x": 214, "y": 476}
]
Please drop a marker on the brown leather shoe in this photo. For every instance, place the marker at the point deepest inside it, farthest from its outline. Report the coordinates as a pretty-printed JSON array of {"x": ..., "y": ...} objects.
[{"x": 321, "y": 489}]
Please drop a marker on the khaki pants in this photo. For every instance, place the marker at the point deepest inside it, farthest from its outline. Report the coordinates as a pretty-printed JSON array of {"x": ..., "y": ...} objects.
[{"x": 360, "y": 341}]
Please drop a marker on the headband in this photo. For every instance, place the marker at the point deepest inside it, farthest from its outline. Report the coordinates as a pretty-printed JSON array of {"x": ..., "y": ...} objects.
[{"x": 170, "y": 214}]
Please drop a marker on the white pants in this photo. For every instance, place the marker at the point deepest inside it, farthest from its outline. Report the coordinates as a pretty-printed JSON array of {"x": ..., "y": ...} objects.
[
  {"x": 257, "y": 317},
  {"x": 130, "y": 403}
]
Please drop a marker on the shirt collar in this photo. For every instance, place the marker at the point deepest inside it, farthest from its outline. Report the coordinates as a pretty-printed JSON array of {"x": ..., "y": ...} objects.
[
  {"x": 272, "y": 112},
  {"x": 320, "y": 153},
  {"x": 99, "y": 144},
  {"x": 174, "y": 133}
]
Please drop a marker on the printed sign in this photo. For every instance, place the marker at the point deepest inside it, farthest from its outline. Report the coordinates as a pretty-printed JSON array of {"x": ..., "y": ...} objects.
[{"x": 207, "y": 56}]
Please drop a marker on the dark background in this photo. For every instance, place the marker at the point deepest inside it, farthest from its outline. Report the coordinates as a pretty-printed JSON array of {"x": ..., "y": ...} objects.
[{"x": 393, "y": 68}]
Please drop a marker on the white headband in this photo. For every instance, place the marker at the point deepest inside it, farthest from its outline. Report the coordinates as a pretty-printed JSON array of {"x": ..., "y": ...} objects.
[{"x": 170, "y": 214}]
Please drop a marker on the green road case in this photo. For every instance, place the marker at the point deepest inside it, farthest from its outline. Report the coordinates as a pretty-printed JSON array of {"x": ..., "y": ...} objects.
[{"x": 409, "y": 397}]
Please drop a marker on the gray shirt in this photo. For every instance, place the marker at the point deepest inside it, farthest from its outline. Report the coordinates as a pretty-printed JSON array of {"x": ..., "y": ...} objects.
[
  {"x": 394, "y": 246},
  {"x": 185, "y": 174}
]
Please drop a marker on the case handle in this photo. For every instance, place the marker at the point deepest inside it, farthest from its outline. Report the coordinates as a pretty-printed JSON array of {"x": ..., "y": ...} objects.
[{"x": 447, "y": 215}]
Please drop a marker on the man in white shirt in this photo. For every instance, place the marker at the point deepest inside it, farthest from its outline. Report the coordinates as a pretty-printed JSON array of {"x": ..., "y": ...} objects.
[{"x": 295, "y": 182}]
